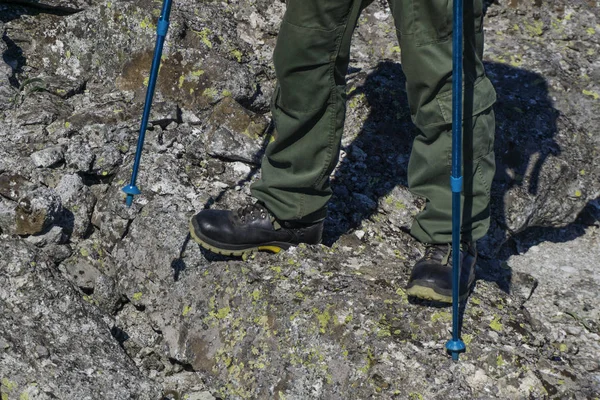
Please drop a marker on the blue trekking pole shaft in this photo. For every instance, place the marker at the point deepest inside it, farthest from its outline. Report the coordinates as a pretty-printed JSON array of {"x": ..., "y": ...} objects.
[
  {"x": 161, "y": 32},
  {"x": 456, "y": 345}
]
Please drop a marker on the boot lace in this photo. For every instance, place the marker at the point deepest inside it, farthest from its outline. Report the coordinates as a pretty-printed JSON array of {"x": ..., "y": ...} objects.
[
  {"x": 438, "y": 252},
  {"x": 252, "y": 212},
  {"x": 443, "y": 252}
]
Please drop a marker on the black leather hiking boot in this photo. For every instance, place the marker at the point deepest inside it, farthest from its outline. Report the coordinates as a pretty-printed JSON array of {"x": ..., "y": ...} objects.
[
  {"x": 249, "y": 229},
  {"x": 431, "y": 276}
]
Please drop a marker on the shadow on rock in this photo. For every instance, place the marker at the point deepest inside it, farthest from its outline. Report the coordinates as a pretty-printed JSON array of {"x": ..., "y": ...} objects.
[
  {"x": 527, "y": 152},
  {"x": 13, "y": 9}
]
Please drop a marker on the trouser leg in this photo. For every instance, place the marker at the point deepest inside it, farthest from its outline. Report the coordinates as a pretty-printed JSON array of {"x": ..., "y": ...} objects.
[
  {"x": 311, "y": 59},
  {"x": 424, "y": 30}
]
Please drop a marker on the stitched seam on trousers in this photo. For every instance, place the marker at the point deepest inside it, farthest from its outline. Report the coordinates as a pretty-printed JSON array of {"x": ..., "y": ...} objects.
[
  {"x": 483, "y": 180},
  {"x": 413, "y": 17},
  {"x": 280, "y": 103},
  {"x": 403, "y": 34},
  {"x": 442, "y": 111},
  {"x": 312, "y": 29},
  {"x": 301, "y": 207}
]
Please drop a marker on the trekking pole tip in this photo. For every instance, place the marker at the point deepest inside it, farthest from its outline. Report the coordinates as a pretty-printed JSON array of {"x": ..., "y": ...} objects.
[
  {"x": 455, "y": 347},
  {"x": 131, "y": 190}
]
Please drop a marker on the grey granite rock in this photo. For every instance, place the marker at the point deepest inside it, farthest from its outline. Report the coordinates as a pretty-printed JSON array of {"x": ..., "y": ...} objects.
[
  {"x": 568, "y": 277},
  {"x": 63, "y": 5},
  {"x": 38, "y": 211},
  {"x": 335, "y": 320},
  {"x": 54, "y": 236},
  {"x": 14, "y": 186},
  {"x": 327, "y": 321},
  {"x": 78, "y": 204},
  {"x": 80, "y": 157},
  {"x": 234, "y": 133},
  {"x": 48, "y": 157},
  {"x": 54, "y": 344},
  {"x": 8, "y": 216}
]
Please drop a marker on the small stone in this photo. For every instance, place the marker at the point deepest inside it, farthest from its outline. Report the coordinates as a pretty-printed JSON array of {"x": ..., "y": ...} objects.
[
  {"x": 37, "y": 211},
  {"x": 359, "y": 234},
  {"x": 106, "y": 294},
  {"x": 48, "y": 157},
  {"x": 358, "y": 154},
  {"x": 80, "y": 157},
  {"x": 54, "y": 236},
  {"x": 573, "y": 330},
  {"x": 108, "y": 161},
  {"x": 68, "y": 188},
  {"x": 164, "y": 113},
  {"x": 590, "y": 365},
  {"x": 78, "y": 202},
  {"x": 112, "y": 226},
  {"x": 200, "y": 396},
  {"x": 80, "y": 270},
  {"x": 189, "y": 117},
  {"x": 57, "y": 252},
  {"x": 41, "y": 351},
  {"x": 14, "y": 186}
]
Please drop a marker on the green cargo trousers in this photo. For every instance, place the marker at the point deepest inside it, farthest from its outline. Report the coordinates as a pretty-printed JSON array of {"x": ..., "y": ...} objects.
[{"x": 311, "y": 60}]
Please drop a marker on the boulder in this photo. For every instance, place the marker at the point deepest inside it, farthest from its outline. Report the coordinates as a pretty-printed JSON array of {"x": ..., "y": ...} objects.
[
  {"x": 78, "y": 204},
  {"x": 38, "y": 211},
  {"x": 52, "y": 343},
  {"x": 48, "y": 157},
  {"x": 235, "y": 134}
]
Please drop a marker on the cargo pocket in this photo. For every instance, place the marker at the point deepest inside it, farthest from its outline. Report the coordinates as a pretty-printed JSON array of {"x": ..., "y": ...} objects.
[
  {"x": 426, "y": 21},
  {"x": 303, "y": 67},
  {"x": 439, "y": 111},
  {"x": 484, "y": 96},
  {"x": 483, "y": 123},
  {"x": 430, "y": 21}
]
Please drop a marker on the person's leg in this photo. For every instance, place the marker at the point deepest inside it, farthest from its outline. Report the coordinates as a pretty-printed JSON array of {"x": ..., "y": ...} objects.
[
  {"x": 425, "y": 33},
  {"x": 311, "y": 59}
]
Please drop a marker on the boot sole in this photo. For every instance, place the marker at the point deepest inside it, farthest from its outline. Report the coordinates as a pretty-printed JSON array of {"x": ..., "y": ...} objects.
[
  {"x": 427, "y": 293},
  {"x": 239, "y": 251}
]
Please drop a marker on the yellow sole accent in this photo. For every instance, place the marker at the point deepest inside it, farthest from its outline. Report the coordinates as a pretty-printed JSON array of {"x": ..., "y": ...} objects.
[
  {"x": 426, "y": 293},
  {"x": 273, "y": 249},
  {"x": 225, "y": 252}
]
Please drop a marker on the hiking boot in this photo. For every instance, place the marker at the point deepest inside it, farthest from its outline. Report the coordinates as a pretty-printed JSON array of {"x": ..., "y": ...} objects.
[
  {"x": 249, "y": 229},
  {"x": 431, "y": 276}
]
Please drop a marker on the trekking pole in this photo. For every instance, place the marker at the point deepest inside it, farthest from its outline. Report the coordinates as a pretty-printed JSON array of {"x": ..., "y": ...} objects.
[
  {"x": 161, "y": 32},
  {"x": 456, "y": 345}
]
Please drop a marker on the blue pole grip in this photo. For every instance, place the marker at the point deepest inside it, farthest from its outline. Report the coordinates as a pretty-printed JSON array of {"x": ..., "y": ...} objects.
[
  {"x": 162, "y": 27},
  {"x": 456, "y": 184}
]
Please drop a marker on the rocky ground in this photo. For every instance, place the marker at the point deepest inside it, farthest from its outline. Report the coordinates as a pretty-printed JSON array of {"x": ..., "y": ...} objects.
[{"x": 100, "y": 301}]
